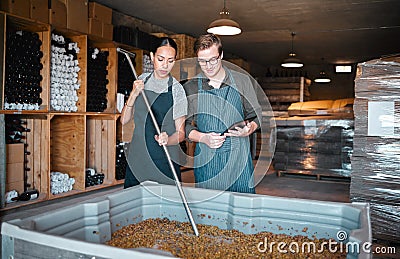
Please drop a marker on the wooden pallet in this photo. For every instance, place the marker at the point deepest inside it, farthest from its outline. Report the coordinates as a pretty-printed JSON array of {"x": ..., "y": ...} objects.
[{"x": 317, "y": 175}]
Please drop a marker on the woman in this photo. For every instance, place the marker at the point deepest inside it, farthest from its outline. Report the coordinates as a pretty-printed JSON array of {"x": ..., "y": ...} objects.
[{"x": 146, "y": 157}]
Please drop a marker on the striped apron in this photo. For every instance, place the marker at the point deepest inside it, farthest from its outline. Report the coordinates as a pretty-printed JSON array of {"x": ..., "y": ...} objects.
[
  {"x": 146, "y": 159},
  {"x": 229, "y": 167}
]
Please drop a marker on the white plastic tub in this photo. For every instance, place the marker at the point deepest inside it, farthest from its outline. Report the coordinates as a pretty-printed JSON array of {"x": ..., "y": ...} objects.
[{"x": 80, "y": 231}]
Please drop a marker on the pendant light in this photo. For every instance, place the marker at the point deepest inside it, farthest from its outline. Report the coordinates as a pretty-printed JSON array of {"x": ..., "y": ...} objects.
[
  {"x": 292, "y": 61},
  {"x": 322, "y": 77},
  {"x": 224, "y": 25}
]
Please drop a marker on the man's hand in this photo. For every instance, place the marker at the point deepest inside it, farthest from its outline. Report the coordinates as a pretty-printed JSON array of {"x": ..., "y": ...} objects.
[
  {"x": 213, "y": 140},
  {"x": 242, "y": 132}
]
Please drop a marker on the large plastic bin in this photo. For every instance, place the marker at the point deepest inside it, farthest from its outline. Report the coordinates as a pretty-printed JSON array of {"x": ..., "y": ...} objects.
[{"x": 80, "y": 231}]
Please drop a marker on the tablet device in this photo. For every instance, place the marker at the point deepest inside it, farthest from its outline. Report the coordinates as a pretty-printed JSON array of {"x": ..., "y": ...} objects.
[{"x": 240, "y": 124}]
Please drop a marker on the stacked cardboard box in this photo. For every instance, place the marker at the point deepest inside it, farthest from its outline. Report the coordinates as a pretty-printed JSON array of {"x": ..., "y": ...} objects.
[
  {"x": 376, "y": 157},
  {"x": 100, "y": 21},
  {"x": 185, "y": 45},
  {"x": 321, "y": 145},
  {"x": 17, "y": 7},
  {"x": 35, "y": 9},
  {"x": 58, "y": 14},
  {"x": 15, "y": 167}
]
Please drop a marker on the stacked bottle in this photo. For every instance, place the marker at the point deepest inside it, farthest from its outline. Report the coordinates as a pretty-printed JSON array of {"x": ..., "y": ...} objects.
[
  {"x": 61, "y": 182},
  {"x": 147, "y": 64},
  {"x": 15, "y": 129},
  {"x": 64, "y": 74},
  {"x": 92, "y": 178},
  {"x": 97, "y": 80},
  {"x": 22, "y": 88},
  {"x": 120, "y": 162},
  {"x": 125, "y": 76}
]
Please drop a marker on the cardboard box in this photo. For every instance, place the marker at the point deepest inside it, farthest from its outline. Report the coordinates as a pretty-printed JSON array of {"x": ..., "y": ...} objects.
[
  {"x": 15, "y": 153},
  {"x": 100, "y": 12},
  {"x": 77, "y": 15},
  {"x": 14, "y": 172},
  {"x": 18, "y": 186},
  {"x": 39, "y": 10},
  {"x": 58, "y": 14},
  {"x": 17, "y": 7},
  {"x": 107, "y": 31},
  {"x": 95, "y": 27}
]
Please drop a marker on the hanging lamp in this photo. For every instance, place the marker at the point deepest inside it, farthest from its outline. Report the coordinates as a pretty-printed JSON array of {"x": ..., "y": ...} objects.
[
  {"x": 224, "y": 25},
  {"x": 292, "y": 61},
  {"x": 322, "y": 77}
]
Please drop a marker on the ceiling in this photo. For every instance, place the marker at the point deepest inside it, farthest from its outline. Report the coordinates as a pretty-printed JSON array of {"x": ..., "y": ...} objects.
[{"x": 327, "y": 31}]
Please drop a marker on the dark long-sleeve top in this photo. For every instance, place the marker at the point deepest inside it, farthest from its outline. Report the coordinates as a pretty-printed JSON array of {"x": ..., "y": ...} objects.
[{"x": 243, "y": 84}]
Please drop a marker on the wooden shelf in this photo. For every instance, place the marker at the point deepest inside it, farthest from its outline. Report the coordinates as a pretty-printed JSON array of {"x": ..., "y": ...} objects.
[{"x": 67, "y": 142}]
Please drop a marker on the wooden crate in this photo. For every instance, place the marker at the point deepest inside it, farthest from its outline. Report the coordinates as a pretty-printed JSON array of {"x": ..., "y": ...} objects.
[
  {"x": 125, "y": 132},
  {"x": 82, "y": 41},
  {"x": 159, "y": 34},
  {"x": 37, "y": 158},
  {"x": 139, "y": 60},
  {"x": 185, "y": 45},
  {"x": 112, "y": 74},
  {"x": 241, "y": 63},
  {"x": 112, "y": 80},
  {"x": 37, "y": 141},
  {"x": 13, "y": 23},
  {"x": 68, "y": 148},
  {"x": 101, "y": 146}
]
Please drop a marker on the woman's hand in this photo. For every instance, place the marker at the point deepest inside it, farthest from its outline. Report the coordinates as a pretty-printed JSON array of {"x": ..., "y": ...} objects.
[
  {"x": 213, "y": 140},
  {"x": 138, "y": 86},
  {"x": 162, "y": 139},
  {"x": 242, "y": 132}
]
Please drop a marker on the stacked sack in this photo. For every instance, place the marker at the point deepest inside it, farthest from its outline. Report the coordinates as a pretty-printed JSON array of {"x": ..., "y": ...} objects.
[
  {"x": 64, "y": 74},
  {"x": 61, "y": 182},
  {"x": 376, "y": 157}
]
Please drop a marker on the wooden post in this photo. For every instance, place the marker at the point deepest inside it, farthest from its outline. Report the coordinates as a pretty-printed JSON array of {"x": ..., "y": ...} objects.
[
  {"x": 2, "y": 162},
  {"x": 302, "y": 89}
]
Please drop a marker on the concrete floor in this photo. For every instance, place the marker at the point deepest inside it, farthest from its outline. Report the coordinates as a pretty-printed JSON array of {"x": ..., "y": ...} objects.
[{"x": 292, "y": 186}]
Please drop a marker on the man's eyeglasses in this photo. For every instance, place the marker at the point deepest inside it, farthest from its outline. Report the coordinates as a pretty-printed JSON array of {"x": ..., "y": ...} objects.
[{"x": 213, "y": 61}]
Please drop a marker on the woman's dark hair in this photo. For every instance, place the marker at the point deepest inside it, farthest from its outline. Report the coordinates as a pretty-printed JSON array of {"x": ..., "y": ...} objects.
[{"x": 165, "y": 41}]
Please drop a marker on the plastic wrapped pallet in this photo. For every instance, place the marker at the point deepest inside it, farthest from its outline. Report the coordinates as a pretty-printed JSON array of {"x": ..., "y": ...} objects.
[
  {"x": 376, "y": 154},
  {"x": 321, "y": 144}
]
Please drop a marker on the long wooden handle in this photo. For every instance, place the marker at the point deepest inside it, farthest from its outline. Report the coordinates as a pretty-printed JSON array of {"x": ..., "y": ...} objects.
[{"x": 171, "y": 165}]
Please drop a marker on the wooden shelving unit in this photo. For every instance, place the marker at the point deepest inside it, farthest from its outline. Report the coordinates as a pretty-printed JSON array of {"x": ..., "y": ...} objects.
[
  {"x": 283, "y": 91},
  {"x": 67, "y": 142}
]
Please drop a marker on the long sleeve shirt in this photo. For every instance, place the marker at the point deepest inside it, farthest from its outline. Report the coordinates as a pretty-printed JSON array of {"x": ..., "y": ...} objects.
[{"x": 243, "y": 84}]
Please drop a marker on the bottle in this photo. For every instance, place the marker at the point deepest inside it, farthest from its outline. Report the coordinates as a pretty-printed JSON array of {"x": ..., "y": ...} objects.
[{"x": 27, "y": 196}]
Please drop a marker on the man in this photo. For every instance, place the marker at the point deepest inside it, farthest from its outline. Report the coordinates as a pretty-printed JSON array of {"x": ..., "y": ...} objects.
[{"x": 217, "y": 98}]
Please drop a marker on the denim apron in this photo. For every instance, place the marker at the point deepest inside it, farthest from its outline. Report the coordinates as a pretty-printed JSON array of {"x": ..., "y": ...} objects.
[
  {"x": 146, "y": 159},
  {"x": 229, "y": 167}
]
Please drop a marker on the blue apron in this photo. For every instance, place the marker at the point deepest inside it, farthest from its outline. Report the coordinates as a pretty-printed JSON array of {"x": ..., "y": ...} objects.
[
  {"x": 229, "y": 167},
  {"x": 146, "y": 159}
]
